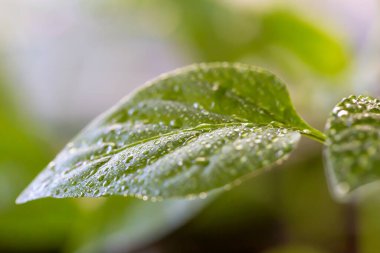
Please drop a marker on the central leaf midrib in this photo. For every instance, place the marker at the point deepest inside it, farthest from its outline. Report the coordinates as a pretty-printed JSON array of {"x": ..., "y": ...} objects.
[
  {"x": 213, "y": 128},
  {"x": 197, "y": 128},
  {"x": 171, "y": 133},
  {"x": 237, "y": 96},
  {"x": 210, "y": 127}
]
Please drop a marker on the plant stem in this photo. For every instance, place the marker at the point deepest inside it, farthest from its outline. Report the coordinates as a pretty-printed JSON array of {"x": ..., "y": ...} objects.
[
  {"x": 315, "y": 135},
  {"x": 351, "y": 216}
]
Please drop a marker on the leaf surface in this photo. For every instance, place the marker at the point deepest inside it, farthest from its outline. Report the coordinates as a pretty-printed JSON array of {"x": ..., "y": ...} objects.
[
  {"x": 353, "y": 145},
  {"x": 185, "y": 133}
]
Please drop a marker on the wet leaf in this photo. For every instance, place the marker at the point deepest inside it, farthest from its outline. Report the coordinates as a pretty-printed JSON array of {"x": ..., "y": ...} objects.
[
  {"x": 183, "y": 134},
  {"x": 353, "y": 145}
]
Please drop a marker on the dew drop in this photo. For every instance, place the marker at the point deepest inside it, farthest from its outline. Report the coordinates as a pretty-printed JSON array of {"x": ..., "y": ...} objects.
[
  {"x": 106, "y": 183},
  {"x": 109, "y": 149},
  {"x": 128, "y": 159},
  {"x": 202, "y": 160},
  {"x": 208, "y": 145},
  {"x": 174, "y": 123},
  {"x": 342, "y": 113}
]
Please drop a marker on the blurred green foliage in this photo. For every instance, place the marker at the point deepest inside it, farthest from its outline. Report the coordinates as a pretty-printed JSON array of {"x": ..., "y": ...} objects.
[
  {"x": 221, "y": 33},
  {"x": 215, "y": 31},
  {"x": 122, "y": 224},
  {"x": 22, "y": 155}
]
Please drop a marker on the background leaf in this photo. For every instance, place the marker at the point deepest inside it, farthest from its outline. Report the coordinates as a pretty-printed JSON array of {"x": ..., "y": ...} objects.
[
  {"x": 124, "y": 225},
  {"x": 40, "y": 226},
  {"x": 353, "y": 144},
  {"x": 187, "y": 132},
  {"x": 218, "y": 31}
]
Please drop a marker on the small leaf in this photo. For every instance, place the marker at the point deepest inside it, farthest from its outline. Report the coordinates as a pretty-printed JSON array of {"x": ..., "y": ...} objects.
[
  {"x": 353, "y": 145},
  {"x": 185, "y": 133}
]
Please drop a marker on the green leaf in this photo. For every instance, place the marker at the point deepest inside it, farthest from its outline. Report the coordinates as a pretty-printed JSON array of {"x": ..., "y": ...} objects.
[
  {"x": 319, "y": 48},
  {"x": 185, "y": 133},
  {"x": 218, "y": 32},
  {"x": 132, "y": 225},
  {"x": 353, "y": 145}
]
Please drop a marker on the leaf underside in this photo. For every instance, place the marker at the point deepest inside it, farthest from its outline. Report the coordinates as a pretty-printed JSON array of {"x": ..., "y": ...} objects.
[
  {"x": 185, "y": 133},
  {"x": 353, "y": 145}
]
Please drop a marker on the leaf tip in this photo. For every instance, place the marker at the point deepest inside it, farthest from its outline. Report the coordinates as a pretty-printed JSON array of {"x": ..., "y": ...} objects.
[
  {"x": 21, "y": 199},
  {"x": 26, "y": 196}
]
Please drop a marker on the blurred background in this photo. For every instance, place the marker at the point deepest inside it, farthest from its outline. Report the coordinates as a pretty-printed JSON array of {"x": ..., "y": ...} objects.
[{"x": 64, "y": 62}]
